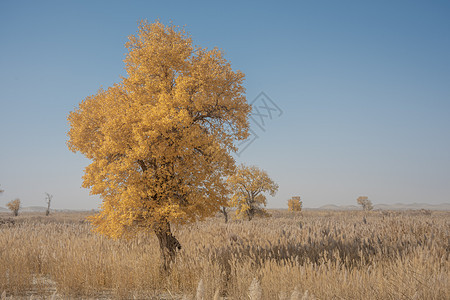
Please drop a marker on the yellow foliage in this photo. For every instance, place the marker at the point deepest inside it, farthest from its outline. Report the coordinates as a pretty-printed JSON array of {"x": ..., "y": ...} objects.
[
  {"x": 160, "y": 140},
  {"x": 295, "y": 204},
  {"x": 247, "y": 186},
  {"x": 14, "y": 206},
  {"x": 365, "y": 202}
]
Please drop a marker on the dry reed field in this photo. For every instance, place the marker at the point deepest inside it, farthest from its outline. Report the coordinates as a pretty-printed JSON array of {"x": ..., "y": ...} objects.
[{"x": 308, "y": 255}]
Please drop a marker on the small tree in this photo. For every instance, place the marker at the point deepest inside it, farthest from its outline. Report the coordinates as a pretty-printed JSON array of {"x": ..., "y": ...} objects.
[
  {"x": 14, "y": 206},
  {"x": 365, "y": 203},
  {"x": 1, "y": 191},
  {"x": 295, "y": 204},
  {"x": 248, "y": 185},
  {"x": 48, "y": 200}
]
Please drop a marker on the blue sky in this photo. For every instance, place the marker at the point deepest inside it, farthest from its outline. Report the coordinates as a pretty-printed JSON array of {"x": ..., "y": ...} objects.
[{"x": 364, "y": 88}]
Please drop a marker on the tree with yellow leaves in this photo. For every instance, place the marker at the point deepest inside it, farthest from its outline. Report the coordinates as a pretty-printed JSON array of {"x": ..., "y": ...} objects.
[
  {"x": 295, "y": 204},
  {"x": 14, "y": 206},
  {"x": 248, "y": 185},
  {"x": 365, "y": 203},
  {"x": 160, "y": 141}
]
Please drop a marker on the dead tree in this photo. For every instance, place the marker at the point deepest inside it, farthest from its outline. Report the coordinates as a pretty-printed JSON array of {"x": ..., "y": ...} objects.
[{"x": 48, "y": 200}]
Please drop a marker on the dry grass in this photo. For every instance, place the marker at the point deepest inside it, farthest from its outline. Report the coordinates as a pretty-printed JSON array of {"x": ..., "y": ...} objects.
[{"x": 332, "y": 255}]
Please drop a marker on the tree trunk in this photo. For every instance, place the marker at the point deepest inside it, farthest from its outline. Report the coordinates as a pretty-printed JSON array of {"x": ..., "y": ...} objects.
[
  {"x": 225, "y": 213},
  {"x": 250, "y": 213},
  {"x": 168, "y": 245}
]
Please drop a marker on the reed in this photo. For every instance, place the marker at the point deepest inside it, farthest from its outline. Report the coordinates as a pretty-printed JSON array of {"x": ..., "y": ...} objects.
[{"x": 311, "y": 255}]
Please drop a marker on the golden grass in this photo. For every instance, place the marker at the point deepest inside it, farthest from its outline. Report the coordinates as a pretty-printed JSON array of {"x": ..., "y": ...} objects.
[{"x": 340, "y": 255}]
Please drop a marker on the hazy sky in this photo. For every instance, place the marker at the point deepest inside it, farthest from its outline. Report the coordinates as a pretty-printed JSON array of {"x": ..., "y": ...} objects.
[{"x": 364, "y": 91}]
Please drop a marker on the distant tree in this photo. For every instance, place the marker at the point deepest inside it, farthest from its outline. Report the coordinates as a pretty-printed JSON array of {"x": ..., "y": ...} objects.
[
  {"x": 48, "y": 200},
  {"x": 14, "y": 206},
  {"x": 249, "y": 185},
  {"x": 1, "y": 191},
  {"x": 365, "y": 203},
  {"x": 295, "y": 204}
]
